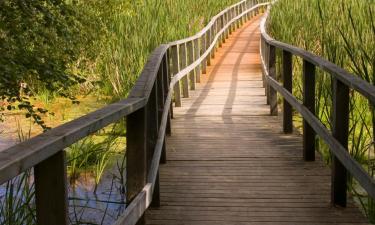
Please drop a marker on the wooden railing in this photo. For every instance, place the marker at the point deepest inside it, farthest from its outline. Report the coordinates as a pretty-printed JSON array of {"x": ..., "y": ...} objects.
[
  {"x": 148, "y": 111},
  {"x": 337, "y": 140}
]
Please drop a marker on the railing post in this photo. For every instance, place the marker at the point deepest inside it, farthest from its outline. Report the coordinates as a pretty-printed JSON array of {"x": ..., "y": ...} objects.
[
  {"x": 202, "y": 51},
  {"x": 196, "y": 57},
  {"x": 266, "y": 61},
  {"x": 230, "y": 12},
  {"x": 272, "y": 73},
  {"x": 309, "y": 102},
  {"x": 340, "y": 123},
  {"x": 221, "y": 39},
  {"x": 175, "y": 70},
  {"x": 190, "y": 48},
  {"x": 262, "y": 51},
  {"x": 226, "y": 22},
  {"x": 152, "y": 136},
  {"x": 51, "y": 191},
  {"x": 208, "y": 43},
  {"x": 213, "y": 34},
  {"x": 136, "y": 155},
  {"x": 243, "y": 10},
  {"x": 287, "y": 83},
  {"x": 166, "y": 80},
  {"x": 184, "y": 79},
  {"x": 161, "y": 104}
]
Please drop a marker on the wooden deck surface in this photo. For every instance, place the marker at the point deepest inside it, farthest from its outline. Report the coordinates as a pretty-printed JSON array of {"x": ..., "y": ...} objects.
[{"x": 228, "y": 161}]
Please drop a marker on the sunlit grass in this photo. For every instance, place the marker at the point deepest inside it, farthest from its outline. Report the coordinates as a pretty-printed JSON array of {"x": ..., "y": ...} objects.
[{"x": 343, "y": 32}]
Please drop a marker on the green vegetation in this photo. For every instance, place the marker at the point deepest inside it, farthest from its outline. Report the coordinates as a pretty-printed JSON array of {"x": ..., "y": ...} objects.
[
  {"x": 55, "y": 53},
  {"x": 76, "y": 48},
  {"x": 342, "y": 32},
  {"x": 17, "y": 196}
]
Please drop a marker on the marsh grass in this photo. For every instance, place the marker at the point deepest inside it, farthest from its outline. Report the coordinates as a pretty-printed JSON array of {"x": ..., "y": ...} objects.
[
  {"x": 17, "y": 196},
  {"x": 127, "y": 32},
  {"x": 342, "y": 32}
]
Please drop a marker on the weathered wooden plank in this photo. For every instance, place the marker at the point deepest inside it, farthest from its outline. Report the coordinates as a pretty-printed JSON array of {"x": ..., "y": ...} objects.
[
  {"x": 272, "y": 73},
  {"x": 309, "y": 102},
  {"x": 340, "y": 123},
  {"x": 287, "y": 84},
  {"x": 50, "y": 183},
  {"x": 175, "y": 69},
  {"x": 183, "y": 64},
  {"x": 190, "y": 54}
]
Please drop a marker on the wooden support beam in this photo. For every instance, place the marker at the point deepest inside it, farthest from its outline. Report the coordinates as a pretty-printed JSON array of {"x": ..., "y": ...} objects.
[
  {"x": 272, "y": 73},
  {"x": 136, "y": 155},
  {"x": 208, "y": 43},
  {"x": 183, "y": 64},
  {"x": 161, "y": 96},
  {"x": 175, "y": 70},
  {"x": 309, "y": 102},
  {"x": 340, "y": 117},
  {"x": 51, "y": 196},
  {"x": 190, "y": 50},
  {"x": 167, "y": 79},
  {"x": 203, "y": 48},
  {"x": 287, "y": 83},
  {"x": 152, "y": 134},
  {"x": 196, "y": 57}
]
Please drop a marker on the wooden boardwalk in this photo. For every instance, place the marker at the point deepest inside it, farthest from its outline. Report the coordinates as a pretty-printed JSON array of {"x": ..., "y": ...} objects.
[{"x": 229, "y": 162}]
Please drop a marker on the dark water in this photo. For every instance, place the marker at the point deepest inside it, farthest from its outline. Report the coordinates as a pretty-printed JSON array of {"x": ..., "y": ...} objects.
[
  {"x": 101, "y": 206},
  {"x": 88, "y": 203}
]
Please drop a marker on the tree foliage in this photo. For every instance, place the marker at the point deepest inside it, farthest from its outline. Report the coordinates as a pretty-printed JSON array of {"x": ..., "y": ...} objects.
[{"x": 39, "y": 39}]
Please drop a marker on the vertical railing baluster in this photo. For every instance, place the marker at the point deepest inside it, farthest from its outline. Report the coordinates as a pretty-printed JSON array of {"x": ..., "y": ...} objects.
[
  {"x": 213, "y": 34},
  {"x": 190, "y": 48},
  {"x": 309, "y": 102},
  {"x": 51, "y": 191},
  {"x": 175, "y": 70},
  {"x": 227, "y": 19},
  {"x": 242, "y": 11},
  {"x": 136, "y": 155},
  {"x": 221, "y": 38},
  {"x": 184, "y": 79},
  {"x": 208, "y": 43},
  {"x": 266, "y": 52},
  {"x": 161, "y": 101},
  {"x": 230, "y": 13},
  {"x": 167, "y": 80},
  {"x": 287, "y": 83},
  {"x": 152, "y": 136},
  {"x": 196, "y": 57},
  {"x": 202, "y": 51},
  {"x": 340, "y": 123},
  {"x": 272, "y": 73},
  {"x": 262, "y": 43}
]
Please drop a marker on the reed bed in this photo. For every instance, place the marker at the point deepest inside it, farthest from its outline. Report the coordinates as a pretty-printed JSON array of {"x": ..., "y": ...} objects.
[{"x": 127, "y": 31}]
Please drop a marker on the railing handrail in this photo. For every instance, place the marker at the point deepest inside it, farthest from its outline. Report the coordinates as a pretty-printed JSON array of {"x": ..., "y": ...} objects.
[
  {"x": 354, "y": 82},
  {"x": 343, "y": 81},
  {"x": 41, "y": 148}
]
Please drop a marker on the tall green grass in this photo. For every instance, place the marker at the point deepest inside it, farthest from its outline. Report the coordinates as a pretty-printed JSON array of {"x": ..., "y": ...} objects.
[
  {"x": 128, "y": 30},
  {"x": 343, "y": 32}
]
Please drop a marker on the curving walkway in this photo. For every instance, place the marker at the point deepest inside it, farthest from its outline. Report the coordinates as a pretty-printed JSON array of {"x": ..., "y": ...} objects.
[{"x": 228, "y": 161}]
